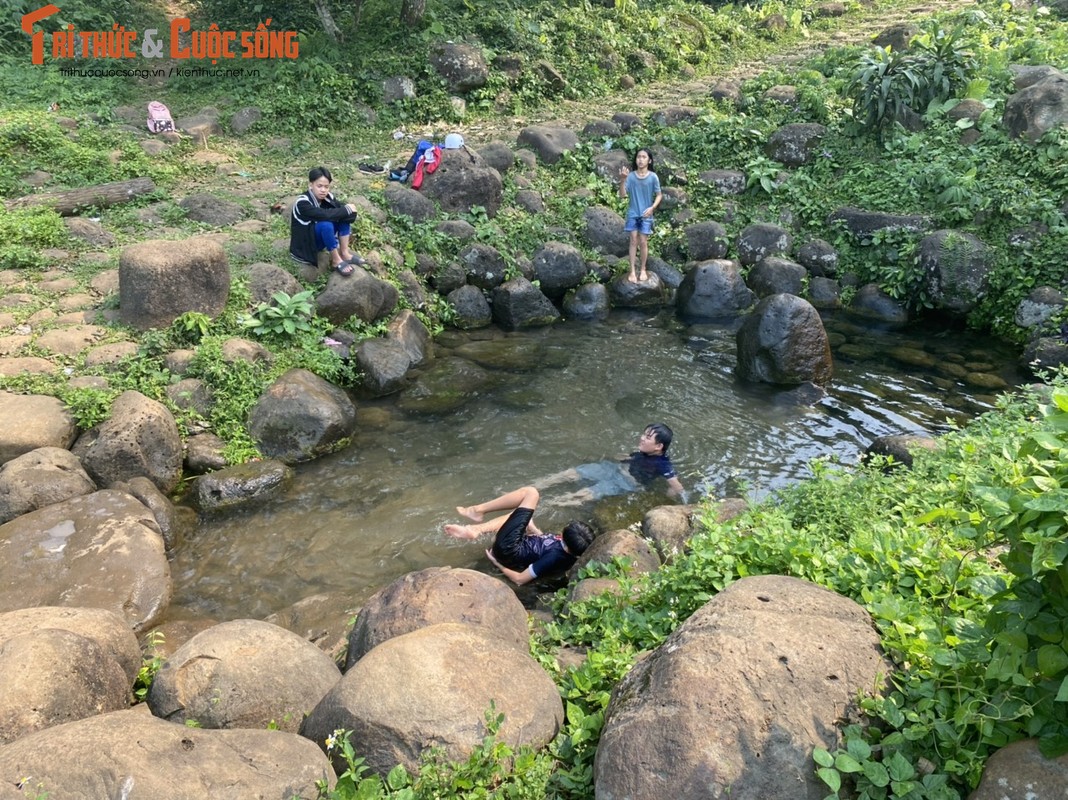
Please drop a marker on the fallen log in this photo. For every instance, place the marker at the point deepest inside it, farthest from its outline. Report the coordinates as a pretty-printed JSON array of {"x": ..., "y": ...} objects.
[{"x": 69, "y": 203}]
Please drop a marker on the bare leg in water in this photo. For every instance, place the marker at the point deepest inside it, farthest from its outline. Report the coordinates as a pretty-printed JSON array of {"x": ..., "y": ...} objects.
[{"x": 526, "y": 497}]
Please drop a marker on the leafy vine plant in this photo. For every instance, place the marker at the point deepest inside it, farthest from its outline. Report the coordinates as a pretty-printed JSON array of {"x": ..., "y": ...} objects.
[
  {"x": 283, "y": 316},
  {"x": 888, "y": 86}
]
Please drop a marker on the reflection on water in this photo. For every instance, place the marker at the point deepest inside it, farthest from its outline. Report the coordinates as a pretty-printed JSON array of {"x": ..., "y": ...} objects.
[{"x": 352, "y": 522}]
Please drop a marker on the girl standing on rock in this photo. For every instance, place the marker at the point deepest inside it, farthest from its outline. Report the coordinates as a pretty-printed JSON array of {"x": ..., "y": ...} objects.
[
  {"x": 321, "y": 222},
  {"x": 642, "y": 187}
]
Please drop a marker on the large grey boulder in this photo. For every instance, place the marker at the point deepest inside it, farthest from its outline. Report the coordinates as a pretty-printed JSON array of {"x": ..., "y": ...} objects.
[
  {"x": 824, "y": 293},
  {"x": 588, "y": 301},
  {"x": 819, "y": 258},
  {"x": 192, "y": 394},
  {"x": 1046, "y": 353},
  {"x": 439, "y": 594},
  {"x": 160, "y": 280},
  {"x": 619, "y": 543},
  {"x": 776, "y": 275},
  {"x": 107, "y": 628},
  {"x": 301, "y": 417},
  {"x": 668, "y": 529},
  {"x": 484, "y": 264},
  {"x": 714, "y": 289},
  {"x": 1039, "y": 306},
  {"x": 762, "y": 239},
  {"x": 783, "y": 342},
  {"x": 558, "y": 267},
  {"x": 863, "y": 224},
  {"x": 725, "y": 181},
  {"x": 32, "y": 421},
  {"x": 54, "y": 676},
  {"x": 705, "y": 241},
  {"x": 384, "y": 364},
  {"x": 956, "y": 268},
  {"x": 407, "y": 330},
  {"x": 472, "y": 309},
  {"x": 1024, "y": 75},
  {"x": 360, "y": 294},
  {"x": 462, "y": 66},
  {"x": 673, "y": 116},
  {"x": 897, "y": 37},
  {"x": 130, "y": 754},
  {"x": 1041, "y": 107},
  {"x": 204, "y": 452},
  {"x": 732, "y": 704},
  {"x": 243, "y": 674},
  {"x": 40, "y": 478},
  {"x": 407, "y": 202},
  {"x": 519, "y": 304},
  {"x": 139, "y": 439},
  {"x": 727, "y": 90},
  {"x": 650, "y": 293},
  {"x": 795, "y": 144},
  {"x": 899, "y": 446},
  {"x": 498, "y": 155},
  {"x": 462, "y": 181},
  {"x": 265, "y": 280},
  {"x": 447, "y": 278},
  {"x": 609, "y": 163},
  {"x": 548, "y": 141},
  {"x": 240, "y": 485},
  {"x": 322, "y": 619},
  {"x": 56, "y": 556},
  {"x": 871, "y": 302},
  {"x": 163, "y": 510},
  {"x": 1019, "y": 771},
  {"x": 604, "y": 231},
  {"x": 433, "y": 687}
]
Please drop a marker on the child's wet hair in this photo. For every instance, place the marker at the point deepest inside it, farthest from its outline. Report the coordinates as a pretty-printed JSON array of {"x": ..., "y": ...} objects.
[
  {"x": 577, "y": 536},
  {"x": 320, "y": 172},
  {"x": 662, "y": 433}
]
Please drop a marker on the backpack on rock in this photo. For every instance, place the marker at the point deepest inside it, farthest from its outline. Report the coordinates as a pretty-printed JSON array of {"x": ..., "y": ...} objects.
[{"x": 159, "y": 117}]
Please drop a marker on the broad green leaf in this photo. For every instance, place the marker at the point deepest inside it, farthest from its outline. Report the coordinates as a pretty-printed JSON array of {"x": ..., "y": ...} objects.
[
  {"x": 831, "y": 778},
  {"x": 1044, "y": 483},
  {"x": 876, "y": 773},
  {"x": 899, "y": 768},
  {"x": 1062, "y": 693},
  {"x": 858, "y": 748},
  {"x": 1053, "y": 746},
  {"x": 822, "y": 757},
  {"x": 1048, "y": 501},
  {"x": 1051, "y": 660},
  {"x": 844, "y": 762}
]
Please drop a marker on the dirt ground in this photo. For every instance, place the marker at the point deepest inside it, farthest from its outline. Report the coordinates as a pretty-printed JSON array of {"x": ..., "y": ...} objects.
[{"x": 646, "y": 98}]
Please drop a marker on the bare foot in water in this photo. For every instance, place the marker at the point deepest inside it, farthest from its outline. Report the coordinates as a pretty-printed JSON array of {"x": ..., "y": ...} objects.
[
  {"x": 468, "y": 512},
  {"x": 461, "y": 532}
]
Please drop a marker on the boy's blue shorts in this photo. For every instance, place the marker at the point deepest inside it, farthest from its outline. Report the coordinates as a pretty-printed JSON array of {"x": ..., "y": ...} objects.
[
  {"x": 643, "y": 225},
  {"x": 607, "y": 479}
]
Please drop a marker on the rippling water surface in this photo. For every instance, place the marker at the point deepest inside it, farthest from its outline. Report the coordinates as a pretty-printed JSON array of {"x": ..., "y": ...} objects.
[{"x": 352, "y": 522}]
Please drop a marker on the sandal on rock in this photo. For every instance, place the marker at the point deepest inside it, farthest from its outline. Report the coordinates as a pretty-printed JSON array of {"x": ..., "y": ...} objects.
[
  {"x": 345, "y": 268},
  {"x": 367, "y": 166},
  {"x": 356, "y": 261}
]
